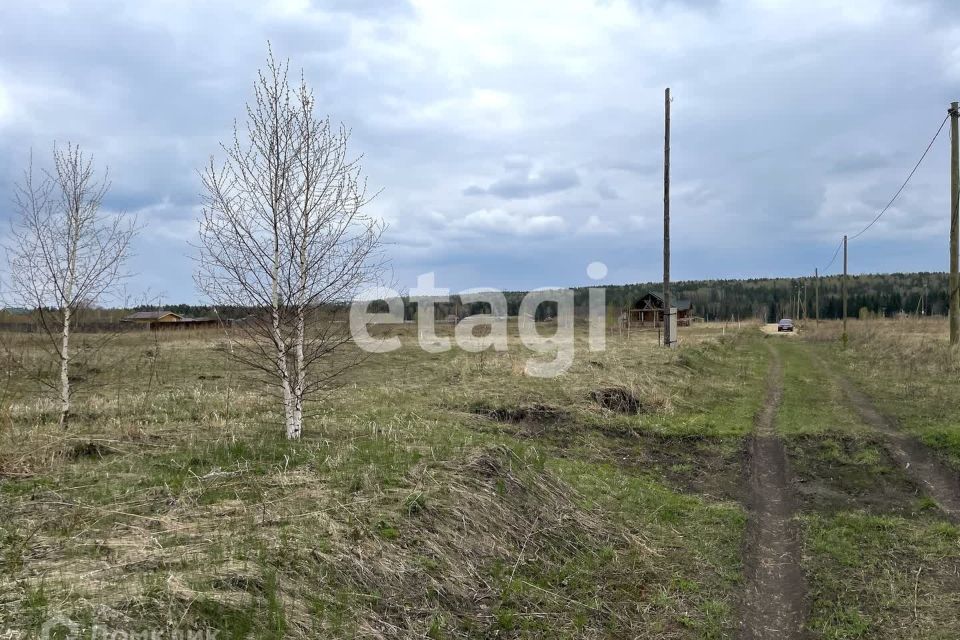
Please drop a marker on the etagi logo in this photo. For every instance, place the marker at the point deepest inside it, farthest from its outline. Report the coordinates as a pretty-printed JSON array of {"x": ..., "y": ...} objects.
[
  {"x": 556, "y": 352},
  {"x": 62, "y": 628},
  {"x": 59, "y": 627}
]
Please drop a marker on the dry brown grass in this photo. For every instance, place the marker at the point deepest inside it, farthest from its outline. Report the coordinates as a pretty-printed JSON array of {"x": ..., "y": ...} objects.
[{"x": 174, "y": 500}]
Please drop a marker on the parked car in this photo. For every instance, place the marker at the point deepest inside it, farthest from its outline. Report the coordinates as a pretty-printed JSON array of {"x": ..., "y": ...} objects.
[{"x": 785, "y": 325}]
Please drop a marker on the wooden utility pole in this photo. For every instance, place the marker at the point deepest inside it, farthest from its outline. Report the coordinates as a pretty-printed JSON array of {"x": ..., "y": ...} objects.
[
  {"x": 954, "y": 225},
  {"x": 843, "y": 287},
  {"x": 667, "y": 338},
  {"x": 816, "y": 293}
]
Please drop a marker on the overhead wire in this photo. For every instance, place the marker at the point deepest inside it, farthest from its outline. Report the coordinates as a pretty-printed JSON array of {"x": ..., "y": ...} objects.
[
  {"x": 835, "y": 254},
  {"x": 902, "y": 186},
  {"x": 895, "y": 195}
]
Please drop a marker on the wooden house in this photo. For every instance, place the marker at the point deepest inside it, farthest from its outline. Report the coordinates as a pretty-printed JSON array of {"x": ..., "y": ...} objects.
[
  {"x": 648, "y": 311},
  {"x": 153, "y": 316},
  {"x": 165, "y": 320}
]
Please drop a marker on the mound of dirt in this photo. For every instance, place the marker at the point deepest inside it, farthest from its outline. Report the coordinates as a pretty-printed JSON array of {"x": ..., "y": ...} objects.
[
  {"x": 618, "y": 399},
  {"x": 89, "y": 450},
  {"x": 536, "y": 412}
]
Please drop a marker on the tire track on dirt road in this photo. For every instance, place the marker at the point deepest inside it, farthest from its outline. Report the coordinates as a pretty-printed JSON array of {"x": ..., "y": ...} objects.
[
  {"x": 940, "y": 481},
  {"x": 774, "y": 604}
]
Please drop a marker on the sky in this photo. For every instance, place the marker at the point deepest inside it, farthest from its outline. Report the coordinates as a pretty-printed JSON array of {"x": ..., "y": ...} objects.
[{"x": 514, "y": 143}]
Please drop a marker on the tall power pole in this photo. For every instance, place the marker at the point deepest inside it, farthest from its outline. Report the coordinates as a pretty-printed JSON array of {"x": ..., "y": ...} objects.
[
  {"x": 816, "y": 293},
  {"x": 954, "y": 226},
  {"x": 667, "y": 338},
  {"x": 843, "y": 286}
]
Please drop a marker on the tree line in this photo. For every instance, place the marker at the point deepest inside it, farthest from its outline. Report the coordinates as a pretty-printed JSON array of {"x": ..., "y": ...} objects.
[{"x": 768, "y": 299}]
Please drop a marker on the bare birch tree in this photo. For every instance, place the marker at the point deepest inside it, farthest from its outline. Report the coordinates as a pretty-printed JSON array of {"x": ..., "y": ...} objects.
[
  {"x": 283, "y": 231},
  {"x": 64, "y": 253}
]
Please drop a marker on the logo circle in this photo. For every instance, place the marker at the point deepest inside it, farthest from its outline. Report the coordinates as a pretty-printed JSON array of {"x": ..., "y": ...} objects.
[
  {"x": 59, "y": 623},
  {"x": 597, "y": 271}
]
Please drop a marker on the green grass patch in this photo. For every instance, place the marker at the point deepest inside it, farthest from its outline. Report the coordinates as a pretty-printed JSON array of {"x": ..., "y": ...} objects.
[{"x": 882, "y": 577}]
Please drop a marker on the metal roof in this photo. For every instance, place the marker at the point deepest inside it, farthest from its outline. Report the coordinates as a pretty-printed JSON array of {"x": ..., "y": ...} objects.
[
  {"x": 151, "y": 315},
  {"x": 681, "y": 304}
]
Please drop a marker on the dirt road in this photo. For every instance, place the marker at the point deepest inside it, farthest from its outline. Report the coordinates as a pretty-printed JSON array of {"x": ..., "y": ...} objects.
[
  {"x": 775, "y": 602},
  {"x": 939, "y": 481},
  {"x": 771, "y": 328}
]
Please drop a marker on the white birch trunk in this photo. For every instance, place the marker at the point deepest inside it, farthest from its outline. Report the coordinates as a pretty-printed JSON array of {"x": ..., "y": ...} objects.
[
  {"x": 65, "y": 370},
  {"x": 299, "y": 387},
  {"x": 291, "y": 419},
  {"x": 299, "y": 337},
  {"x": 293, "y": 426},
  {"x": 73, "y": 241},
  {"x": 293, "y": 429}
]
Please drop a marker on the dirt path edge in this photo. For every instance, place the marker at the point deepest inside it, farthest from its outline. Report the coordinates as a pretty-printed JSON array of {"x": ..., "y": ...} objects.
[
  {"x": 775, "y": 604},
  {"x": 938, "y": 480}
]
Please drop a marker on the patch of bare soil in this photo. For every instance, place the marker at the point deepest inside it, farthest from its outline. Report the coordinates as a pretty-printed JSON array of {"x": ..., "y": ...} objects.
[
  {"x": 89, "y": 450},
  {"x": 530, "y": 420},
  {"x": 536, "y": 412},
  {"x": 839, "y": 472},
  {"x": 775, "y": 600},
  {"x": 619, "y": 400},
  {"x": 938, "y": 480},
  {"x": 690, "y": 463}
]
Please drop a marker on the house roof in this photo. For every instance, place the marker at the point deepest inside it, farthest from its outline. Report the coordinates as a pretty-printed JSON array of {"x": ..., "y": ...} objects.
[
  {"x": 151, "y": 315},
  {"x": 682, "y": 304}
]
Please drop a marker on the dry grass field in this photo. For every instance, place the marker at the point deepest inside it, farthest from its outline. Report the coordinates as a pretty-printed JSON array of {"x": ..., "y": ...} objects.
[{"x": 450, "y": 496}]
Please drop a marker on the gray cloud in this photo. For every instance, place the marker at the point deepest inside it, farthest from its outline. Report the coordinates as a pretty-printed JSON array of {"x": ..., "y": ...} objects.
[
  {"x": 792, "y": 122},
  {"x": 666, "y": 5},
  {"x": 864, "y": 161},
  {"x": 527, "y": 183},
  {"x": 605, "y": 191}
]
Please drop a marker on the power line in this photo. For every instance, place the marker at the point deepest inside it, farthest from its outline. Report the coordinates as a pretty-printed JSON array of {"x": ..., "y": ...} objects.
[
  {"x": 900, "y": 190},
  {"x": 835, "y": 253},
  {"x": 895, "y": 196}
]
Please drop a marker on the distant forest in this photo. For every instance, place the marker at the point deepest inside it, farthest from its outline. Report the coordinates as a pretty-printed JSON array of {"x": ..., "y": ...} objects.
[
  {"x": 763, "y": 298},
  {"x": 773, "y": 298}
]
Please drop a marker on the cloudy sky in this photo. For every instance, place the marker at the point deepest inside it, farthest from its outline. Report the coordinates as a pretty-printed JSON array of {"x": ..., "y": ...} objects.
[{"x": 516, "y": 142}]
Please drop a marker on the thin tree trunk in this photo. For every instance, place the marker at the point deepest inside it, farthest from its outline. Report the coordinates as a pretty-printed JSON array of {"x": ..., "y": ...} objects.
[
  {"x": 73, "y": 241},
  {"x": 293, "y": 430},
  {"x": 301, "y": 373},
  {"x": 289, "y": 403},
  {"x": 300, "y": 331},
  {"x": 65, "y": 370},
  {"x": 292, "y": 426}
]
